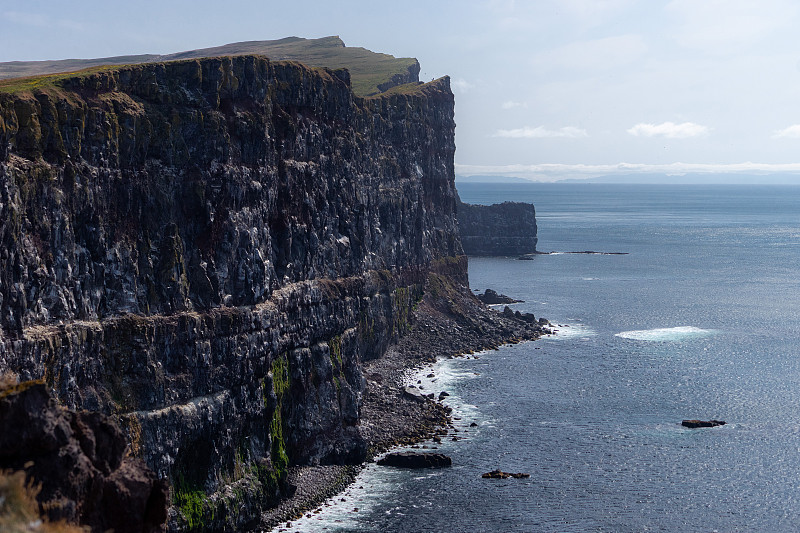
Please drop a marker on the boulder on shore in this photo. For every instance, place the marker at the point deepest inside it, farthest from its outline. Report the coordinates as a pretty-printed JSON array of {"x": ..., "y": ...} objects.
[
  {"x": 415, "y": 460},
  {"x": 414, "y": 394},
  {"x": 702, "y": 423}
]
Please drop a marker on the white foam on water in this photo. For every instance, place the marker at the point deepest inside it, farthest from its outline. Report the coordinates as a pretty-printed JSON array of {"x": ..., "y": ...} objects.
[
  {"x": 372, "y": 487},
  {"x": 679, "y": 333},
  {"x": 567, "y": 331}
]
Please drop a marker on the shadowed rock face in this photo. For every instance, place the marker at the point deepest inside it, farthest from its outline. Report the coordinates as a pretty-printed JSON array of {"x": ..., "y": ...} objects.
[
  {"x": 506, "y": 229},
  {"x": 415, "y": 460},
  {"x": 209, "y": 249},
  {"x": 78, "y": 458}
]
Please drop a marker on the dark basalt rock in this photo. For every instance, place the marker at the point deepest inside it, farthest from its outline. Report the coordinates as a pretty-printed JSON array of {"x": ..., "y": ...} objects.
[
  {"x": 415, "y": 394},
  {"x": 79, "y": 460},
  {"x": 693, "y": 424},
  {"x": 415, "y": 460},
  {"x": 211, "y": 250},
  {"x": 506, "y": 229},
  {"x": 491, "y": 297},
  {"x": 525, "y": 317},
  {"x": 499, "y": 474}
]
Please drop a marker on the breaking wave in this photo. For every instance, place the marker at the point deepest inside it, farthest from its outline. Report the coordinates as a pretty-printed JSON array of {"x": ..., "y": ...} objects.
[{"x": 679, "y": 333}]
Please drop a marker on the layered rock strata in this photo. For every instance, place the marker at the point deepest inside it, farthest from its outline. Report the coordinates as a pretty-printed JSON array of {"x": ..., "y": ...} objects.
[
  {"x": 209, "y": 249},
  {"x": 506, "y": 229}
]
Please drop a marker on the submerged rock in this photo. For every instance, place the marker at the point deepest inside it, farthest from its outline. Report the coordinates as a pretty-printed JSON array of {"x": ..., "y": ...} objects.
[{"x": 416, "y": 460}]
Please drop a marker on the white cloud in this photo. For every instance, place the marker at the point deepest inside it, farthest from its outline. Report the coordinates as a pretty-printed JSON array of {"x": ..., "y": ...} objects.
[
  {"x": 510, "y": 104},
  {"x": 792, "y": 132},
  {"x": 597, "y": 54},
  {"x": 541, "y": 132},
  {"x": 670, "y": 130}
]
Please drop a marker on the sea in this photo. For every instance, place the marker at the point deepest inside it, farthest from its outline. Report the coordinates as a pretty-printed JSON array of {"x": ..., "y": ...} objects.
[{"x": 693, "y": 314}]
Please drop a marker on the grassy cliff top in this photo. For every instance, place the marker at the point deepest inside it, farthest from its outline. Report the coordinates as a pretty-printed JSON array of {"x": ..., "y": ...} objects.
[{"x": 368, "y": 70}]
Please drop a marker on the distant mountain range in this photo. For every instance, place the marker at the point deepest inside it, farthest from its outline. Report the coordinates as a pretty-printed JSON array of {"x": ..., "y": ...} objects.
[
  {"x": 490, "y": 179},
  {"x": 370, "y": 72},
  {"x": 652, "y": 178}
]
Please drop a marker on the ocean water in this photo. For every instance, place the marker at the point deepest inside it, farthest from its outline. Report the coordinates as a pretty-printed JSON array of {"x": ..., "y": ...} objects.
[{"x": 701, "y": 319}]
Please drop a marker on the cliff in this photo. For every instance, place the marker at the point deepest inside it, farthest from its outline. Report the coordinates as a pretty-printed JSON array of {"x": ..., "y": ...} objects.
[
  {"x": 506, "y": 229},
  {"x": 209, "y": 249}
]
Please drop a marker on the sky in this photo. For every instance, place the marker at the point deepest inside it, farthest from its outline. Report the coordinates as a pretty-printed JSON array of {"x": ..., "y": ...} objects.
[{"x": 545, "y": 89}]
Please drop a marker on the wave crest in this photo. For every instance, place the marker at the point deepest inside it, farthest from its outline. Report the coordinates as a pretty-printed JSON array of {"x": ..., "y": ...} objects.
[{"x": 666, "y": 334}]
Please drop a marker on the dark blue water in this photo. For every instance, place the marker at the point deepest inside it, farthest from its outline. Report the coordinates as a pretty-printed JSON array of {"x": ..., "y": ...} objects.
[{"x": 700, "y": 320}]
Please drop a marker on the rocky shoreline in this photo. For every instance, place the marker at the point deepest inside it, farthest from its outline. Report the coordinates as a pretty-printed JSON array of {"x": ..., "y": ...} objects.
[{"x": 389, "y": 416}]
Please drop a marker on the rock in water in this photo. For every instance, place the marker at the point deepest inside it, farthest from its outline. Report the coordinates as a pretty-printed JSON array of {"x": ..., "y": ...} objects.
[
  {"x": 499, "y": 474},
  {"x": 79, "y": 460},
  {"x": 415, "y": 460},
  {"x": 491, "y": 297},
  {"x": 693, "y": 424}
]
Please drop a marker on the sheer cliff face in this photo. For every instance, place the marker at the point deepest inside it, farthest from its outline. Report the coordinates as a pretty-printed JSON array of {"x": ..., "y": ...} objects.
[
  {"x": 187, "y": 185},
  {"x": 208, "y": 248},
  {"x": 499, "y": 229}
]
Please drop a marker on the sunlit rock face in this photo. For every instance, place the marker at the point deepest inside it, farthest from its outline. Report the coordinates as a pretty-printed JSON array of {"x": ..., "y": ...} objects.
[{"x": 209, "y": 249}]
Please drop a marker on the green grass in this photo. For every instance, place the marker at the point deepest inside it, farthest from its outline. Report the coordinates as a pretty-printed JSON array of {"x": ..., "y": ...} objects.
[
  {"x": 367, "y": 69},
  {"x": 16, "y": 85},
  {"x": 192, "y": 504},
  {"x": 280, "y": 383}
]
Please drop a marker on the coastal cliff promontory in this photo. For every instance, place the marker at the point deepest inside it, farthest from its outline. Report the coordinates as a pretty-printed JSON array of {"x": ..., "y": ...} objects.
[
  {"x": 219, "y": 252},
  {"x": 209, "y": 248}
]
